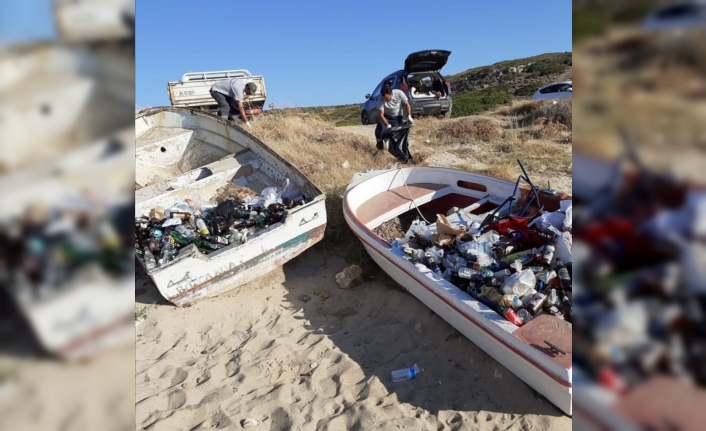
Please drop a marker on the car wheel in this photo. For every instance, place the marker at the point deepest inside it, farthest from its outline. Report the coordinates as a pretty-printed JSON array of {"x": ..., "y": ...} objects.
[
  {"x": 447, "y": 114},
  {"x": 364, "y": 118}
]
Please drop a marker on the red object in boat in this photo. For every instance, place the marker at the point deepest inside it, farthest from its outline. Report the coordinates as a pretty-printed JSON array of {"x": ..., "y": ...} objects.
[
  {"x": 510, "y": 315},
  {"x": 611, "y": 380}
]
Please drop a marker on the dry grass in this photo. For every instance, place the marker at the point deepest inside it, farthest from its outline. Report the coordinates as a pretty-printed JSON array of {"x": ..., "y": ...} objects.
[
  {"x": 319, "y": 150},
  {"x": 483, "y": 144},
  {"x": 527, "y": 112},
  {"x": 468, "y": 129}
]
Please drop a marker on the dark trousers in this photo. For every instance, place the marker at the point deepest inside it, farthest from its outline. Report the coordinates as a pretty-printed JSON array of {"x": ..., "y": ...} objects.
[
  {"x": 227, "y": 105},
  {"x": 394, "y": 121}
]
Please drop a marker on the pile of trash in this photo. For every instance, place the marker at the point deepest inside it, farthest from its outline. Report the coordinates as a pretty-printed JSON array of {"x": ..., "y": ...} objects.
[
  {"x": 227, "y": 220},
  {"x": 641, "y": 292},
  {"x": 48, "y": 248},
  {"x": 515, "y": 266}
]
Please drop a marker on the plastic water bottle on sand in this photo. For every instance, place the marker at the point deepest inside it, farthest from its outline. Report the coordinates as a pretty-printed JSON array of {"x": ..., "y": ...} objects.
[{"x": 406, "y": 374}]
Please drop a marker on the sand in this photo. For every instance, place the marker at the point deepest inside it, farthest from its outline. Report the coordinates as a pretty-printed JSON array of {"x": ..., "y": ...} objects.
[
  {"x": 39, "y": 392},
  {"x": 248, "y": 354}
]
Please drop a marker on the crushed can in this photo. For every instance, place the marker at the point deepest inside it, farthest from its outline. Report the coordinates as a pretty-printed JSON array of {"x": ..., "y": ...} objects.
[{"x": 512, "y": 317}]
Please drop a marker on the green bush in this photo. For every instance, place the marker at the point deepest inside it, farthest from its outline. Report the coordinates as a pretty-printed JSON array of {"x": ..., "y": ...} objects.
[
  {"x": 527, "y": 90},
  {"x": 545, "y": 67},
  {"x": 473, "y": 102}
]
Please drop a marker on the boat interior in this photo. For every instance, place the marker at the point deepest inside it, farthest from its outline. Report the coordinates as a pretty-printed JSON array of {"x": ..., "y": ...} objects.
[
  {"x": 173, "y": 164},
  {"x": 431, "y": 199}
]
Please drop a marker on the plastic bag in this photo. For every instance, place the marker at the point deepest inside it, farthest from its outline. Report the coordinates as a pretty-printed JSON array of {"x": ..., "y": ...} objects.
[
  {"x": 519, "y": 283},
  {"x": 252, "y": 201},
  {"x": 568, "y": 220},
  {"x": 176, "y": 221},
  {"x": 491, "y": 237},
  {"x": 483, "y": 259},
  {"x": 555, "y": 219},
  {"x": 181, "y": 207},
  {"x": 289, "y": 191},
  {"x": 269, "y": 196}
]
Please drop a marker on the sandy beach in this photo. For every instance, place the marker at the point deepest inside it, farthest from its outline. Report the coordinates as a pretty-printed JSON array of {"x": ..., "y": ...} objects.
[{"x": 249, "y": 354}]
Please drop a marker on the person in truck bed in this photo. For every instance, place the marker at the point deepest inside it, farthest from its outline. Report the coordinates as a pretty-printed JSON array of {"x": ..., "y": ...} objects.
[
  {"x": 390, "y": 107},
  {"x": 229, "y": 95}
]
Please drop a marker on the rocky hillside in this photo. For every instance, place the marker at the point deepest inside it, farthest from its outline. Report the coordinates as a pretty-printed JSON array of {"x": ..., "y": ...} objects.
[{"x": 519, "y": 78}]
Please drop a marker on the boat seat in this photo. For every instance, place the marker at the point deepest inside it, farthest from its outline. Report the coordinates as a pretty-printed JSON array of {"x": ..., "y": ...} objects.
[{"x": 394, "y": 198}]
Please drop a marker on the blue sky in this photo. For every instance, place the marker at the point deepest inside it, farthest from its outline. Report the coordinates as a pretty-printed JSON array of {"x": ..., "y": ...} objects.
[
  {"x": 26, "y": 21},
  {"x": 323, "y": 52}
]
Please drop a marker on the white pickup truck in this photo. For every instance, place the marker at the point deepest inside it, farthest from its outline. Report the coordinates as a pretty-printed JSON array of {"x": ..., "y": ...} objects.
[{"x": 193, "y": 90}]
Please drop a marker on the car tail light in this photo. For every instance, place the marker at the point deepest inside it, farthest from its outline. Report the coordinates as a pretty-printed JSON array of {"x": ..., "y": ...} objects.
[{"x": 404, "y": 87}]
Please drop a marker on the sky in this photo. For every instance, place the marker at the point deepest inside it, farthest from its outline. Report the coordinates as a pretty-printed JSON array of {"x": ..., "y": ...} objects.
[
  {"x": 324, "y": 52},
  {"x": 26, "y": 21}
]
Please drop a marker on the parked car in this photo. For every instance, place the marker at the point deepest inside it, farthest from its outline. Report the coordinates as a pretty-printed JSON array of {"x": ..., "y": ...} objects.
[
  {"x": 560, "y": 90},
  {"x": 677, "y": 16},
  {"x": 422, "y": 83}
]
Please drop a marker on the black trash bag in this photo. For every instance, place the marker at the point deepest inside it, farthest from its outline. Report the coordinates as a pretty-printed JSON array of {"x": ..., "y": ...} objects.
[{"x": 399, "y": 145}]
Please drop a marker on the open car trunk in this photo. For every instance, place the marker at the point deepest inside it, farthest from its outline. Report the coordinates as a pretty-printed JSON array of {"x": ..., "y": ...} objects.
[{"x": 423, "y": 85}]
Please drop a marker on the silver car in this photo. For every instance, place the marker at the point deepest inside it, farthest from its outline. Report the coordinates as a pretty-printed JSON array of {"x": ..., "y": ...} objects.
[{"x": 560, "y": 90}]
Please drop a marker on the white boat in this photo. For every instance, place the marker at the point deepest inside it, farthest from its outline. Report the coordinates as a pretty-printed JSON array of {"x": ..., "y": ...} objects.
[
  {"x": 376, "y": 197},
  {"x": 182, "y": 153},
  {"x": 92, "y": 311}
]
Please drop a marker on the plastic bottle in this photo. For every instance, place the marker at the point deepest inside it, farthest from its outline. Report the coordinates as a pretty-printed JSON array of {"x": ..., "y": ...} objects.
[
  {"x": 516, "y": 303},
  {"x": 448, "y": 274},
  {"x": 150, "y": 261},
  {"x": 201, "y": 226},
  {"x": 466, "y": 273},
  {"x": 406, "y": 374},
  {"x": 502, "y": 274}
]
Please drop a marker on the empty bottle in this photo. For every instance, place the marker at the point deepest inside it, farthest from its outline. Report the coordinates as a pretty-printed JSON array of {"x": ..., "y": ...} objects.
[
  {"x": 448, "y": 274},
  {"x": 563, "y": 275},
  {"x": 150, "y": 261},
  {"x": 201, "y": 226},
  {"x": 553, "y": 297},
  {"x": 466, "y": 273},
  {"x": 547, "y": 255},
  {"x": 536, "y": 303},
  {"x": 434, "y": 254},
  {"x": 502, "y": 274},
  {"x": 516, "y": 303},
  {"x": 216, "y": 239},
  {"x": 406, "y": 374}
]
